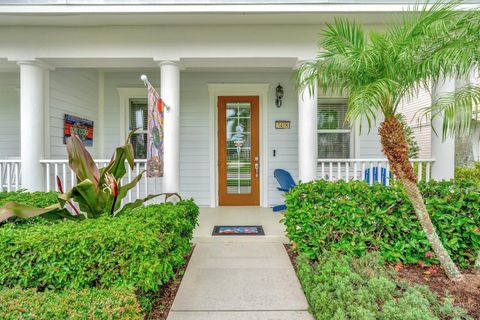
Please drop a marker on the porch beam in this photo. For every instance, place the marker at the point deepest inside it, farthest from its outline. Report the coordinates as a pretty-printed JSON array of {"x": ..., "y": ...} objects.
[
  {"x": 307, "y": 135},
  {"x": 170, "y": 93},
  {"x": 32, "y": 128}
]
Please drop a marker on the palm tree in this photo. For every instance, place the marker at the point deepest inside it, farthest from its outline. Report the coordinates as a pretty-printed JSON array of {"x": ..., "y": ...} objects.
[{"x": 379, "y": 69}]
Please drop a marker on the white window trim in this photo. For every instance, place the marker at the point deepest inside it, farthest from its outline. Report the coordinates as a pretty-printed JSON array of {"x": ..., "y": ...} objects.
[
  {"x": 239, "y": 89},
  {"x": 125, "y": 94},
  {"x": 353, "y": 127}
]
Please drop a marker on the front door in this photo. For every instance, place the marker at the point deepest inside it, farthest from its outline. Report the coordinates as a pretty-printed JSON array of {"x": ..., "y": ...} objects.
[{"x": 238, "y": 151}]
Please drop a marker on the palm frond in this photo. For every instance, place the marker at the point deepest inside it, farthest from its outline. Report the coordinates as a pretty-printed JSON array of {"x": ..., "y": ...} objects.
[
  {"x": 366, "y": 102},
  {"x": 458, "y": 110}
]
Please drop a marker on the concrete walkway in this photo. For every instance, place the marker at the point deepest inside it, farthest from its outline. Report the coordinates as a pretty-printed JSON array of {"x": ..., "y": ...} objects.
[{"x": 240, "y": 280}]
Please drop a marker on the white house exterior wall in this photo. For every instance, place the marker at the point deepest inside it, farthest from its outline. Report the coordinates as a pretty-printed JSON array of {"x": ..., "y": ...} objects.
[
  {"x": 422, "y": 130},
  {"x": 75, "y": 92},
  {"x": 9, "y": 115}
]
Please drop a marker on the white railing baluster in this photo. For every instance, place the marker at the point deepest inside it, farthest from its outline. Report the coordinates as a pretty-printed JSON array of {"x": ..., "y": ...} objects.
[
  {"x": 55, "y": 169},
  {"x": 64, "y": 176},
  {"x": 355, "y": 168},
  {"x": 1, "y": 176},
  {"x": 363, "y": 166},
  {"x": 17, "y": 177},
  {"x": 137, "y": 172},
  {"x": 129, "y": 180},
  {"x": 72, "y": 178},
  {"x": 362, "y": 175},
  {"x": 9, "y": 177},
  {"x": 379, "y": 172},
  {"x": 49, "y": 183}
]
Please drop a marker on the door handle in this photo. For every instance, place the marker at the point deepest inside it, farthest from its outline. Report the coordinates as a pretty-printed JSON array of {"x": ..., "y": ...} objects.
[{"x": 257, "y": 166}]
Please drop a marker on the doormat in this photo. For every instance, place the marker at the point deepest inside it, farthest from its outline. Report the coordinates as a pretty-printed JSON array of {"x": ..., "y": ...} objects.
[{"x": 238, "y": 231}]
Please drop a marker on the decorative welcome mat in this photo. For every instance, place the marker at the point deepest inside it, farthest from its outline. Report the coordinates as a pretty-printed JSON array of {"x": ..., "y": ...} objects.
[{"x": 238, "y": 231}]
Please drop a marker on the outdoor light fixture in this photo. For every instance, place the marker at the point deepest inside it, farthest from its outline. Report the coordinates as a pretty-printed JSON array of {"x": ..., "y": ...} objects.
[{"x": 279, "y": 95}]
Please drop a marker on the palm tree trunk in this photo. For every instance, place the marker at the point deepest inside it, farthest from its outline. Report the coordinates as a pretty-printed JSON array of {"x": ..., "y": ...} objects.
[{"x": 396, "y": 149}]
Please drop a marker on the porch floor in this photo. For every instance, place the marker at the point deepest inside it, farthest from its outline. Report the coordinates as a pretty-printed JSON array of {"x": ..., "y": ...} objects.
[{"x": 210, "y": 217}]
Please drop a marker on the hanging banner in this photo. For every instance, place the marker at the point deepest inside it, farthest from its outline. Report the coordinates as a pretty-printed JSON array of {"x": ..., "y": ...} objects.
[
  {"x": 83, "y": 128},
  {"x": 155, "y": 134}
]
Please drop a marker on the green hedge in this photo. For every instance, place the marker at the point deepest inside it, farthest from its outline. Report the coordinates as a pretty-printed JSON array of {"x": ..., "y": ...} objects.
[
  {"x": 35, "y": 199},
  {"x": 139, "y": 249},
  {"x": 109, "y": 304},
  {"x": 342, "y": 287},
  {"x": 472, "y": 174},
  {"x": 355, "y": 218}
]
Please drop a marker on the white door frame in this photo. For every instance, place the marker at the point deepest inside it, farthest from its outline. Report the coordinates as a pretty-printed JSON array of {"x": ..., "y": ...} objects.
[{"x": 239, "y": 89}]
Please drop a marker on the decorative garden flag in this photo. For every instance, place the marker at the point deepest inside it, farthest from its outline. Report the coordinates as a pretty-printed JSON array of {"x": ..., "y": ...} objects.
[{"x": 155, "y": 134}]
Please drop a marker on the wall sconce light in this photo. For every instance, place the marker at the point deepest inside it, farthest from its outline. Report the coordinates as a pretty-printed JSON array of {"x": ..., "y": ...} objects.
[{"x": 279, "y": 95}]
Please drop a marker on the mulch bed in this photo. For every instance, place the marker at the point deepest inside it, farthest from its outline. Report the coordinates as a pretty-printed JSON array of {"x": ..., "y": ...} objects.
[
  {"x": 167, "y": 293},
  {"x": 465, "y": 295}
]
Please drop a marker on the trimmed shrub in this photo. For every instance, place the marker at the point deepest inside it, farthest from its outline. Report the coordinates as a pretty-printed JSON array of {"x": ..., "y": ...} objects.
[
  {"x": 354, "y": 218},
  {"x": 34, "y": 199},
  {"x": 468, "y": 173},
  {"x": 140, "y": 249},
  {"x": 342, "y": 287},
  {"x": 118, "y": 303}
]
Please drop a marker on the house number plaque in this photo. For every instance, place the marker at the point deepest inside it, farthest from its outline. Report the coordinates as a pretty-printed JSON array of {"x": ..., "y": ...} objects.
[{"x": 282, "y": 124}]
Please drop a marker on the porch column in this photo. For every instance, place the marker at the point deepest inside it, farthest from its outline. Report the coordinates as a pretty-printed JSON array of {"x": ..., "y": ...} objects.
[
  {"x": 307, "y": 136},
  {"x": 442, "y": 151},
  {"x": 32, "y": 126},
  {"x": 170, "y": 93}
]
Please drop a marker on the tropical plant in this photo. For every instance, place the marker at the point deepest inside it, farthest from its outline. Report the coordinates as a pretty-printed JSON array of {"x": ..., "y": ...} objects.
[
  {"x": 379, "y": 69},
  {"x": 97, "y": 190}
]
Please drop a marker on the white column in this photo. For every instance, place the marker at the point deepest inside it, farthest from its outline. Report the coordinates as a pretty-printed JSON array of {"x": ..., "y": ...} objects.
[
  {"x": 170, "y": 93},
  {"x": 443, "y": 151},
  {"x": 307, "y": 136},
  {"x": 32, "y": 127}
]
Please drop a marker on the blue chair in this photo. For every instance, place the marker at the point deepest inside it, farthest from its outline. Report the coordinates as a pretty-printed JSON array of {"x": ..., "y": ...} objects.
[
  {"x": 383, "y": 175},
  {"x": 286, "y": 183}
]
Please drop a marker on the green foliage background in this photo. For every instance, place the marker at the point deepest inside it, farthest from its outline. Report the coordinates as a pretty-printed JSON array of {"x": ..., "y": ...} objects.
[
  {"x": 118, "y": 303},
  {"x": 355, "y": 218},
  {"x": 342, "y": 287},
  {"x": 139, "y": 249}
]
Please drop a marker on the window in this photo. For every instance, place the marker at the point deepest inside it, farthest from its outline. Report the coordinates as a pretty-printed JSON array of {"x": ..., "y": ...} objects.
[
  {"x": 334, "y": 134},
  {"x": 138, "y": 109}
]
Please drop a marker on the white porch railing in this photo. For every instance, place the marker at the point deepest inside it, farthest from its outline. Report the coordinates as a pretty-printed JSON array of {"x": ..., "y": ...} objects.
[
  {"x": 60, "y": 168},
  {"x": 10, "y": 175},
  {"x": 370, "y": 170}
]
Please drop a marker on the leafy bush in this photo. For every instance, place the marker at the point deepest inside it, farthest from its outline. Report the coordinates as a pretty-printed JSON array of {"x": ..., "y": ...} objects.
[
  {"x": 33, "y": 199},
  {"x": 468, "y": 173},
  {"x": 342, "y": 287},
  {"x": 141, "y": 248},
  {"x": 354, "y": 218},
  {"x": 118, "y": 303}
]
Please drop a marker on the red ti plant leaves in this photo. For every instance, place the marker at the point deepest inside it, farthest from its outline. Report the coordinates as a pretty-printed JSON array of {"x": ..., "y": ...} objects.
[{"x": 81, "y": 162}]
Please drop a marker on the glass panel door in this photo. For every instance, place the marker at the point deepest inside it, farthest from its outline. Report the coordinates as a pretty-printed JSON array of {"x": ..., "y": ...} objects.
[
  {"x": 238, "y": 144},
  {"x": 238, "y": 151}
]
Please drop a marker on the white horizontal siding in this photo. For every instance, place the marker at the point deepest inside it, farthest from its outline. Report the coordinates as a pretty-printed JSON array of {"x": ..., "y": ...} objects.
[
  {"x": 422, "y": 131},
  {"x": 9, "y": 115},
  {"x": 75, "y": 92}
]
